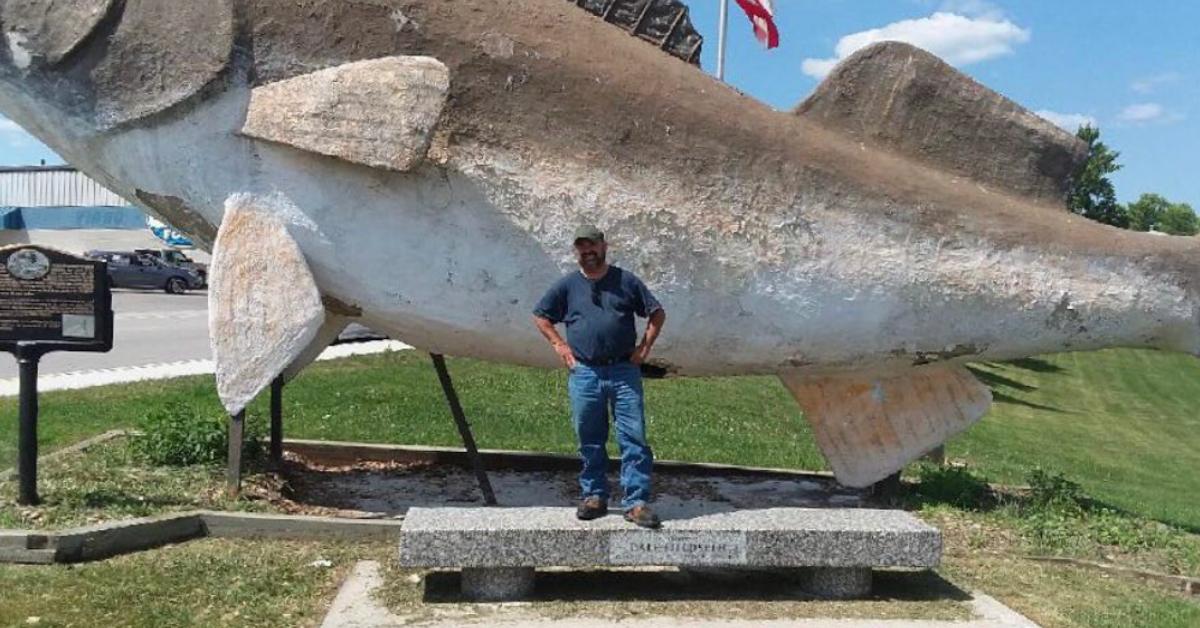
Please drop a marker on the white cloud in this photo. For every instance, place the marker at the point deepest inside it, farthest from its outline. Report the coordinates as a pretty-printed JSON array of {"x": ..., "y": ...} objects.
[
  {"x": 1142, "y": 112},
  {"x": 818, "y": 68},
  {"x": 1150, "y": 84},
  {"x": 972, "y": 8},
  {"x": 958, "y": 39},
  {"x": 1068, "y": 121}
]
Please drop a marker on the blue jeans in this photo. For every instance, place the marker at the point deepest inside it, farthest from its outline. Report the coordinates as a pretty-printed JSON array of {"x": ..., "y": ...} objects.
[{"x": 594, "y": 391}]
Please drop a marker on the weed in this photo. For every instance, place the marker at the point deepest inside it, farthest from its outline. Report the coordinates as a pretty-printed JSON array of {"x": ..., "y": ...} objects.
[
  {"x": 180, "y": 434},
  {"x": 954, "y": 486},
  {"x": 1053, "y": 490}
]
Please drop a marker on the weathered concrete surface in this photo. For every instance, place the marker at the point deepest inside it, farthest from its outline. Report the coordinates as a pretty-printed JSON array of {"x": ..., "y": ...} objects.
[
  {"x": 241, "y": 525},
  {"x": 379, "y": 113},
  {"x": 355, "y": 605},
  {"x": 112, "y": 539},
  {"x": 903, "y": 98},
  {"x": 780, "y": 244},
  {"x": 497, "y": 584},
  {"x": 839, "y": 583},
  {"x": 161, "y": 54},
  {"x": 257, "y": 268},
  {"x": 49, "y": 30},
  {"x": 776, "y": 537}
]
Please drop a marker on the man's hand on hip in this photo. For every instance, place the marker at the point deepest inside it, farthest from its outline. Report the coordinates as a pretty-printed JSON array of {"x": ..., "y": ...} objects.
[
  {"x": 564, "y": 354},
  {"x": 639, "y": 355}
]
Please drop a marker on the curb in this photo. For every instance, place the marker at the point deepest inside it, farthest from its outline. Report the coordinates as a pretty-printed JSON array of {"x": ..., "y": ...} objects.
[
  {"x": 1190, "y": 586},
  {"x": 123, "y": 537},
  {"x": 348, "y": 453}
]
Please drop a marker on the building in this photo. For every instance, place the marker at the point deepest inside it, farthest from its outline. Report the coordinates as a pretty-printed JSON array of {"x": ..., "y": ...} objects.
[{"x": 61, "y": 207}]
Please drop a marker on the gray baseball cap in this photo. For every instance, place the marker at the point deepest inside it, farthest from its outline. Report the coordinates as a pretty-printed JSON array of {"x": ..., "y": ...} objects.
[{"x": 588, "y": 232}]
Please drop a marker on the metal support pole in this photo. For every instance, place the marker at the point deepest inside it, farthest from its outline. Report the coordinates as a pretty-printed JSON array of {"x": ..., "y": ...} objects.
[
  {"x": 233, "y": 472},
  {"x": 27, "y": 442},
  {"x": 721, "y": 30},
  {"x": 277, "y": 420},
  {"x": 464, "y": 429},
  {"x": 888, "y": 490}
]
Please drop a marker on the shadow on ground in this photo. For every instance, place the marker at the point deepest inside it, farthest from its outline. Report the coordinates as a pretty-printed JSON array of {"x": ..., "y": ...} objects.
[
  {"x": 707, "y": 585},
  {"x": 389, "y": 490},
  {"x": 993, "y": 380}
]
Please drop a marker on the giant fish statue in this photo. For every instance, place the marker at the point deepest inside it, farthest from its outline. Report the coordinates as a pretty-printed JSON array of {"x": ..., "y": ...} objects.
[{"x": 419, "y": 166}]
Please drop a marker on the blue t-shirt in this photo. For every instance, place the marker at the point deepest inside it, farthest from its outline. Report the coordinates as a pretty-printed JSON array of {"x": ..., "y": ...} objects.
[{"x": 598, "y": 314}]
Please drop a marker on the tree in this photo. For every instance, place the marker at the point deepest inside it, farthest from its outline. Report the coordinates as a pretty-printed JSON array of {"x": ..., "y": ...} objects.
[
  {"x": 1153, "y": 211},
  {"x": 1179, "y": 219},
  {"x": 1147, "y": 212},
  {"x": 1092, "y": 194}
]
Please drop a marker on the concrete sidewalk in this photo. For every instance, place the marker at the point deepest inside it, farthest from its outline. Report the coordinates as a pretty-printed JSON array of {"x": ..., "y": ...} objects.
[
  {"x": 356, "y": 607},
  {"x": 75, "y": 380}
]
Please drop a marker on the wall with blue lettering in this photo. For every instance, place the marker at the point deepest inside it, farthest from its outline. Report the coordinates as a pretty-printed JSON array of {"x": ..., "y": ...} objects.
[{"x": 71, "y": 218}]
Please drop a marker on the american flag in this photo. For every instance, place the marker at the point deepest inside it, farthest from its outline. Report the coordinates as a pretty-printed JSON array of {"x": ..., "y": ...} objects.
[{"x": 762, "y": 16}]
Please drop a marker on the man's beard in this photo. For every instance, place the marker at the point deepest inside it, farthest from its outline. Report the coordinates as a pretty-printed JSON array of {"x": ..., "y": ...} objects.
[{"x": 592, "y": 261}]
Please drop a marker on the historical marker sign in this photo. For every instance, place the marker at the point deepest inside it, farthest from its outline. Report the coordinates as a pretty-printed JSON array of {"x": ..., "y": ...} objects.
[
  {"x": 54, "y": 297},
  {"x": 49, "y": 301}
]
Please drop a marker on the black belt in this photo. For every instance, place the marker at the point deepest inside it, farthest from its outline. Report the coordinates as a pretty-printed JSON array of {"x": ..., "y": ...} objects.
[{"x": 605, "y": 361}]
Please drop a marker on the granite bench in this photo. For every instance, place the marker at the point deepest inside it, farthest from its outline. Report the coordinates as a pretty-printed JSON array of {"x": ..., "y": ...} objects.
[{"x": 498, "y": 549}]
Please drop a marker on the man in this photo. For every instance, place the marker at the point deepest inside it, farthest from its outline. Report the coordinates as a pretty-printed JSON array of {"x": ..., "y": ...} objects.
[{"x": 597, "y": 305}]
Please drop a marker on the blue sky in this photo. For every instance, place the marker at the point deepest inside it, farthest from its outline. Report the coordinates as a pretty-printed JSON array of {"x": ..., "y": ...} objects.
[{"x": 1131, "y": 67}]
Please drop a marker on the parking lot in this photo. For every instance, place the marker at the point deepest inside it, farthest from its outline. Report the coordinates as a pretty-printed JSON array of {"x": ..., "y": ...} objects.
[{"x": 151, "y": 327}]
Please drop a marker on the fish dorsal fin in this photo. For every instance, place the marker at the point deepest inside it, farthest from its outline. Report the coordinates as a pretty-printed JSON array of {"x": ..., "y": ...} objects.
[
  {"x": 900, "y": 97},
  {"x": 379, "y": 113},
  {"x": 869, "y": 427}
]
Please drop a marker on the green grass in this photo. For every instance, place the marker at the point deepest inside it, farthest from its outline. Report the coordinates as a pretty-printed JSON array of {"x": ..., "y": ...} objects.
[
  {"x": 202, "y": 583},
  {"x": 395, "y": 398},
  {"x": 1123, "y": 423},
  {"x": 1063, "y": 596},
  {"x": 108, "y": 482}
]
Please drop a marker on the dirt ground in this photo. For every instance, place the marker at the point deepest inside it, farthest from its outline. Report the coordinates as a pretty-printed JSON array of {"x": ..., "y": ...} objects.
[{"x": 388, "y": 490}]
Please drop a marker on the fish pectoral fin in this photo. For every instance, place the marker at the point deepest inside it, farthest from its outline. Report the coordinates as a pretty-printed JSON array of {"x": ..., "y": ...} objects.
[
  {"x": 380, "y": 113},
  {"x": 264, "y": 309},
  {"x": 897, "y": 96},
  {"x": 869, "y": 427}
]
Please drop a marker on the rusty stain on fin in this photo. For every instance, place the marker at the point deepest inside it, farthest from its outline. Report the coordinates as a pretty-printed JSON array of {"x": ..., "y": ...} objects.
[{"x": 870, "y": 427}]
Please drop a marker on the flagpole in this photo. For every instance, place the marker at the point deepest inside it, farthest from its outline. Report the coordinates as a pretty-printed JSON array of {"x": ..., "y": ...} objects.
[{"x": 724, "y": 23}]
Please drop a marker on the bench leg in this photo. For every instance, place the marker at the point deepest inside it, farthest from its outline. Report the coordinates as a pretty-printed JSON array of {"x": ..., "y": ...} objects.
[
  {"x": 497, "y": 584},
  {"x": 838, "y": 582}
]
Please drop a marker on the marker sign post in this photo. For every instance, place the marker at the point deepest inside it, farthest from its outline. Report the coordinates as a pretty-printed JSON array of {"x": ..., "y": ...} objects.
[{"x": 49, "y": 301}]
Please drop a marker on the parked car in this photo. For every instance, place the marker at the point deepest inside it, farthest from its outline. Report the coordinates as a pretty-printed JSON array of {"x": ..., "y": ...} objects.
[
  {"x": 177, "y": 258},
  {"x": 127, "y": 269}
]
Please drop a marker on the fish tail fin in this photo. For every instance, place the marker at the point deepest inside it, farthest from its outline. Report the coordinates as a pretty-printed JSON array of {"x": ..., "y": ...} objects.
[{"x": 869, "y": 427}]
